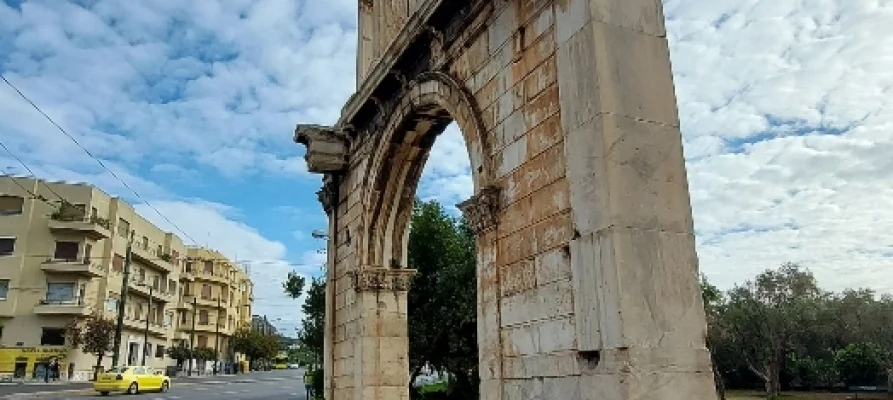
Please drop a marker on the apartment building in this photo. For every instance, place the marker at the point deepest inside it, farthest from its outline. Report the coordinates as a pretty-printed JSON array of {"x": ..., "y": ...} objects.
[
  {"x": 216, "y": 300},
  {"x": 61, "y": 260}
]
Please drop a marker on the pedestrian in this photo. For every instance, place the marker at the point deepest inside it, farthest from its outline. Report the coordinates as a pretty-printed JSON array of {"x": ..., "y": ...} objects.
[
  {"x": 308, "y": 383},
  {"x": 54, "y": 369}
]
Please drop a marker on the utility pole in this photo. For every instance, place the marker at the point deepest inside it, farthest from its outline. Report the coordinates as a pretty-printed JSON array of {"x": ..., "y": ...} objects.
[
  {"x": 192, "y": 335},
  {"x": 122, "y": 302},
  {"x": 146, "y": 331},
  {"x": 217, "y": 336}
]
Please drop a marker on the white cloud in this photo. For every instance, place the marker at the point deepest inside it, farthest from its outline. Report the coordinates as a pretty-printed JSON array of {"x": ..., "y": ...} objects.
[{"x": 787, "y": 118}]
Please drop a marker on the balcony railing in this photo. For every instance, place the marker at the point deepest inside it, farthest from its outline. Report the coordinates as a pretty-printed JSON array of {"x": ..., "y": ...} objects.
[
  {"x": 74, "y": 266},
  {"x": 62, "y": 306},
  {"x": 95, "y": 227}
]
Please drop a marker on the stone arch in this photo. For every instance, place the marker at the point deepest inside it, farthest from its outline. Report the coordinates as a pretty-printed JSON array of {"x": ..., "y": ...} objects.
[
  {"x": 428, "y": 104},
  {"x": 587, "y": 271}
]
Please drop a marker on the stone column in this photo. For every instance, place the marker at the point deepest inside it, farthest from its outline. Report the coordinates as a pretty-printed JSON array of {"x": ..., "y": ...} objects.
[
  {"x": 480, "y": 212},
  {"x": 382, "y": 345},
  {"x": 639, "y": 316}
]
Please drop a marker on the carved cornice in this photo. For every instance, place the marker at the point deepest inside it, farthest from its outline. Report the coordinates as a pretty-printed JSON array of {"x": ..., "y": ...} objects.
[
  {"x": 383, "y": 279},
  {"x": 327, "y": 147},
  {"x": 481, "y": 211}
]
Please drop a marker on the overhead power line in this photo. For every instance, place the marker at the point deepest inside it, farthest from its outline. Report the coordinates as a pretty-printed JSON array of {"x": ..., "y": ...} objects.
[
  {"x": 32, "y": 174},
  {"x": 102, "y": 164}
]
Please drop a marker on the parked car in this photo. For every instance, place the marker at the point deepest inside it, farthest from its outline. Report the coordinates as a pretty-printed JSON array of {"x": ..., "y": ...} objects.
[
  {"x": 294, "y": 366},
  {"x": 131, "y": 380}
]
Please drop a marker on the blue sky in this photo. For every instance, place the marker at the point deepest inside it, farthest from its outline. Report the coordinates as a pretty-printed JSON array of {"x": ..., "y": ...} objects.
[{"x": 786, "y": 113}]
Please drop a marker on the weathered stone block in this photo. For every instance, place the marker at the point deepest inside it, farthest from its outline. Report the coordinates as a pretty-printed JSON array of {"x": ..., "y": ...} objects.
[
  {"x": 634, "y": 75},
  {"x": 557, "y": 335},
  {"x": 553, "y": 265},
  {"x": 517, "y": 277},
  {"x": 521, "y": 341},
  {"x": 541, "y": 108},
  {"x": 647, "y": 183},
  {"x": 536, "y": 173},
  {"x": 570, "y": 17},
  {"x": 657, "y": 273},
  {"x": 531, "y": 57},
  {"x": 645, "y": 16}
]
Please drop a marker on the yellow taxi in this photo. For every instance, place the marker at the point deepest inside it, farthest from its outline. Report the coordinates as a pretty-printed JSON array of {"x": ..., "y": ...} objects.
[{"x": 131, "y": 380}]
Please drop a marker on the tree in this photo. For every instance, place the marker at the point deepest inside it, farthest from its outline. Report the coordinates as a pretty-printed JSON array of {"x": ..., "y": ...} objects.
[
  {"x": 713, "y": 304},
  {"x": 312, "y": 334},
  {"x": 180, "y": 353},
  {"x": 860, "y": 364},
  {"x": 766, "y": 317},
  {"x": 93, "y": 335},
  {"x": 294, "y": 285},
  {"x": 254, "y": 344},
  {"x": 443, "y": 293}
]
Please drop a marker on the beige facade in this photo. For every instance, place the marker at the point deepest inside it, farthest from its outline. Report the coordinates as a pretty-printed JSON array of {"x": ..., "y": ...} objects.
[
  {"x": 60, "y": 262},
  {"x": 216, "y": 300}
]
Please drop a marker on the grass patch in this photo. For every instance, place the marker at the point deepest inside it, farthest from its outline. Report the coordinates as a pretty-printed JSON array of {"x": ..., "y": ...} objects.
[
  {"x": 751, "y": 395},
  {"x": 433, "y": 388}
]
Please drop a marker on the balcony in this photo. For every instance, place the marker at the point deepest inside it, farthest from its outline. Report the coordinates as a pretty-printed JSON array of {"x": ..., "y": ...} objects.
[
  {"x": 83, "y": 268},
  {"x": 140, "y": 325},
  {"x": 151, "y": 257},
  {"x": 208, "y": 302},
  {"x": 210, "y": 328},
  {"x": 212, "y": 277},
  {"x": 155, "y": 292},
  {"x": 187, "y": 276},
  {"x": 73, "y": 306},
  {"x": 185, "y": 302},
  {"x": 93, "y": 227}
]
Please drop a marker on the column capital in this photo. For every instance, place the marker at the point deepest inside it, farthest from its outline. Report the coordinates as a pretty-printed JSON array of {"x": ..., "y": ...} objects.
[
  {"x": 378, "y": 279},
  {"x": 328, "y": 194},
  {"x": 481, "y": 210}
]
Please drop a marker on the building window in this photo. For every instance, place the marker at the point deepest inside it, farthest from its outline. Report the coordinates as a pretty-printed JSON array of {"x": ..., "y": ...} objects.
[
  {"x": 4, "y": 288},
  {"x": 159, "y": 351},
  {"x": 11, "y": 205},
  {"x": 123, "y": 228},
  {"x": 148, "y": 349},
  {"x": 52, "y": 337},
  {"x": 206, "y": 292},
  {"x": 7, "y": 245},
  {"x": 182, "y": 318},
  {"x": 202, "y": 341},
  {"x": 60, "y": 293},
  {"x": 145, "y": 243},
  {"x": 203, "y": 317},
  {"x": 171, "y": 286},
  {"x": 66, "y": 251},
  {"x": 209, "y": 267},
  {"x": 118, "y": 263},
  {"x": 111, "y": 303},
  {"x": 94, "y": 213}
]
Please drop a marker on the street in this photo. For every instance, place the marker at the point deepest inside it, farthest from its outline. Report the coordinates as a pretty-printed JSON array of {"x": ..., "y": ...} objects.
[{"x": 271, "y": 385}]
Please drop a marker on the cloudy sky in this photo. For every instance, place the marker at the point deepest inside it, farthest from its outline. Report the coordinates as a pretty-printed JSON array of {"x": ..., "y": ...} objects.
[{"x": 786, "y": 107}]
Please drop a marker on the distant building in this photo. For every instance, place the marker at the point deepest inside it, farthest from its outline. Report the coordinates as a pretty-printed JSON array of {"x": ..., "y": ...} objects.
[
  {"x": 260, "y": 323},
  {"x": 64, "y": 260}
]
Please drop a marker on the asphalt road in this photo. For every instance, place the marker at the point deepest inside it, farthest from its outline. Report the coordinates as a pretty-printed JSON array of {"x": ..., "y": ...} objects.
[{"x": 271, "y": 385}]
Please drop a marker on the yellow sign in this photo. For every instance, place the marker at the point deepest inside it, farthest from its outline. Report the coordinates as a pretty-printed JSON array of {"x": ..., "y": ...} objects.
[{"x": 18, "y": 358}]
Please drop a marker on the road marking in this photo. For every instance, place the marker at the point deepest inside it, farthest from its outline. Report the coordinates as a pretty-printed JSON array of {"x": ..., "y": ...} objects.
[{"x": 229, "y": 392}]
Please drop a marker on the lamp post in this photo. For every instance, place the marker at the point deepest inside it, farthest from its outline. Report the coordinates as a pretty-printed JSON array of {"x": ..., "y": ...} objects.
[
  {"x": 146, "y": 330},
  {"x": 217, "y": 336}
]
